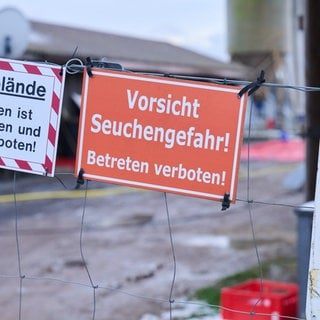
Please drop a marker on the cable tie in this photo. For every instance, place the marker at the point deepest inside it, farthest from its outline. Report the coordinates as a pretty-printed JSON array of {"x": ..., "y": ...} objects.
[
  {"x": 74, "y": 52},
  {"x": 7, "y": 46},
  {"x": 89, "y": 65},
  {"x": 103, "y": 63},
  {"x": 80, "y": 179},
  {"x": 225, "y": 202},
  {"x": 61, "y": 71},
  {"x": 253, "y": 86}
]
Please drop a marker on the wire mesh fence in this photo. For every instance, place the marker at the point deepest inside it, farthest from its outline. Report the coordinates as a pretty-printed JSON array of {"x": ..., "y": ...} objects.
[{"x": 112, "y": 252}]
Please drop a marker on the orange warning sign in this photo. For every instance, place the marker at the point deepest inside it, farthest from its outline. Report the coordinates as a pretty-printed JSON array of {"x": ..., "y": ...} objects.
[{"x": 160, "y": 133}]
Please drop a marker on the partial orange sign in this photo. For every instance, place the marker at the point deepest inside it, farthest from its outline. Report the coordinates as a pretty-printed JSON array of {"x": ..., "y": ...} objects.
[{"x": 161, "y": 133}]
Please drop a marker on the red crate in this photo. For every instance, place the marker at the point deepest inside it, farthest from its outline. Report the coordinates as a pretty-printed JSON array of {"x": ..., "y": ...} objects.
[{"x": 259, "y": 300}]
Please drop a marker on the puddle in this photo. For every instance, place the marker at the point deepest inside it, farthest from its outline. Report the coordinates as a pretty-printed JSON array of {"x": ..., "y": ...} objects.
[{"x": 205, "y": 241}]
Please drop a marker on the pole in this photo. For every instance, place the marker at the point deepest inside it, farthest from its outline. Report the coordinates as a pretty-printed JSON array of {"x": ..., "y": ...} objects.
[
  {"x": 312, "y": 153},
  {"x": 313, "y": 288},
  {"x": 312, "y": 52}
]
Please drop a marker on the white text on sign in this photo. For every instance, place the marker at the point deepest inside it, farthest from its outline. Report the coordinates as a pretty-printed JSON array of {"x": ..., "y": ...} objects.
[
  {"x": 170, "y": 137},
  {"x": 179, "y": 107},
  {"x": 174, "y": 172}
]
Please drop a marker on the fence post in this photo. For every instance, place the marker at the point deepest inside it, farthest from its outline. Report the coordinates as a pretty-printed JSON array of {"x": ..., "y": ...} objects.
[
  {"x": 304, "y": 214},
  {"x": 313, "y": 289}
]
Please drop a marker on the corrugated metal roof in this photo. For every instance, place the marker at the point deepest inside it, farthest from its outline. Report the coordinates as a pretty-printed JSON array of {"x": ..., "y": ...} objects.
[{"x": 58, "y": 42}]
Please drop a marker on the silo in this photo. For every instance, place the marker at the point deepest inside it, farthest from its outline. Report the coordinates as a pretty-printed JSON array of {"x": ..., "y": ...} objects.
[
  {"x": 260, "y": 36},
  {"x": 259, "y": 26}
]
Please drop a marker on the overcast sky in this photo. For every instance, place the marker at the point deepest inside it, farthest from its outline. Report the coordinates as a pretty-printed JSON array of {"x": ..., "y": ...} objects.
[{"x": 199, "y": 25}]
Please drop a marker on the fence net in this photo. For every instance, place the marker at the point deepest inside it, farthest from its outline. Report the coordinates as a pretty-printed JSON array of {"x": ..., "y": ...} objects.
[{"x": 110, "y": 252}]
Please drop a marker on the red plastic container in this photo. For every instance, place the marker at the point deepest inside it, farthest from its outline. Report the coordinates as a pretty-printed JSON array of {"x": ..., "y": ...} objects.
[{"x": 252, "y": 301}]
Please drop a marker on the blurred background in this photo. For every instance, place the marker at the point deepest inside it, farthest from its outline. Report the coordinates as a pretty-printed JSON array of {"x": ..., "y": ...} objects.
[
  {"x": 229, "y": 39},
  {"x": 224, "y": 39}
]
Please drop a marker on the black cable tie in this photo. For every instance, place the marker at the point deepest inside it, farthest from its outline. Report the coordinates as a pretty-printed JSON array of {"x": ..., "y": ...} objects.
[
  {"x": 89, "y": 65},
  {"x": 7, "y": 46},
  {"x": 74, "y": 52},
  {"x": 225, "y": 202},
  {"x": 80, "y": 180},
  {"x": 104, "y": 64},
  {"x": 253, "y": 86}
]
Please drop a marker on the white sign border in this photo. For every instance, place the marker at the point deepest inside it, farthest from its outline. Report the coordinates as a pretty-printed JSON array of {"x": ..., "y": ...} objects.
[{"x": 43, "y": 69}]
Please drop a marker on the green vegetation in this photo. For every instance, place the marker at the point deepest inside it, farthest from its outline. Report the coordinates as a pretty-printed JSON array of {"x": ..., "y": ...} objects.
[{"x": 278, "y": 269}]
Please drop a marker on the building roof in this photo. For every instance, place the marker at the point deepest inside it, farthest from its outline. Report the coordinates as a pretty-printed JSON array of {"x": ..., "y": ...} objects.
[{"x": 57, "y": 43}]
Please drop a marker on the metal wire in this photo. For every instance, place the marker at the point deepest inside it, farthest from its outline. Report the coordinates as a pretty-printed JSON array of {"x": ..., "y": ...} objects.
[{"x": 75, "y": 65}]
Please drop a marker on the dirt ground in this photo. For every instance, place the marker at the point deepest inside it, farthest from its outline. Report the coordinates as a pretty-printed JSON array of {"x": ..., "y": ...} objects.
[{"x": 126, "y": 244}]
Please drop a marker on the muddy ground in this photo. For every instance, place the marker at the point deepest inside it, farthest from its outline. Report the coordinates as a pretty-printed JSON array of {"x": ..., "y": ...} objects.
[{"x": 126, "y": 245}]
